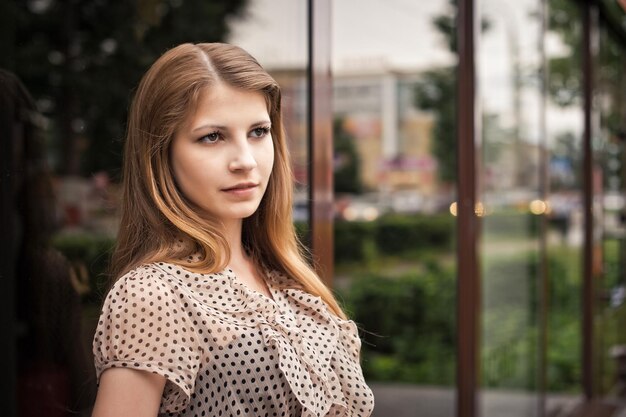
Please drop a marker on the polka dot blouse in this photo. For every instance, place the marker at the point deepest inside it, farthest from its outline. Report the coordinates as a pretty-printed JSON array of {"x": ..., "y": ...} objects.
[{"x": 227, "y": 350}]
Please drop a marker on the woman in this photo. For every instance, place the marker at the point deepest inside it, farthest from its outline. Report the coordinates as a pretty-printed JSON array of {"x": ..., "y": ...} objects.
[{"x": 216, "y": 312}]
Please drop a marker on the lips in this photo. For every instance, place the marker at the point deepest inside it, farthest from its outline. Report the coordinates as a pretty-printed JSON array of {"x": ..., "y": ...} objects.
[{"x": 241, "y": 187}]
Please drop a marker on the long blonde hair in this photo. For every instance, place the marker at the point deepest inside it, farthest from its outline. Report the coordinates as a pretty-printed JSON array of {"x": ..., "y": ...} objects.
[{"x": 155, "y": 215}]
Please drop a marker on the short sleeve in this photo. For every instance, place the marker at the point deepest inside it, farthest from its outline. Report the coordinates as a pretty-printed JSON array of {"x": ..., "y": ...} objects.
[{"x": 143, "y": 325}]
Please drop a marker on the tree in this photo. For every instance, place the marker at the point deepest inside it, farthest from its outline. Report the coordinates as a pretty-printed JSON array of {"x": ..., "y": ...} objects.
[
  {"x": 81, "y": 58},
  {"x": 437, "y": 92},
  {"x": 347, "y": 162},
  {"x": 609, "y": 83},
  {"x": 565, "y": 79}
]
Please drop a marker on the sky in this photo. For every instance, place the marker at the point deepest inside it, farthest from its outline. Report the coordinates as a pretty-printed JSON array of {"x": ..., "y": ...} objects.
[{"x": 397, "y": 33}]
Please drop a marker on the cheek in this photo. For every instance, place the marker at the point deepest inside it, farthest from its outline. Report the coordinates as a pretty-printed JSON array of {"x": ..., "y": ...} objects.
[
  {"x": 264, "y": 156},
  {"x": 178, "y": 168},
  {"x": 187, "y": 171},
  {"x": 270, "y": 157},
  {"x": 271, "y": 163}
]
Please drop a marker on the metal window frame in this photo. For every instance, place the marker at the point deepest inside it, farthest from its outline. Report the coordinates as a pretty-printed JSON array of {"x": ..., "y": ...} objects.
[
  {"x": 320, "y": 143},
  {"x": 468, "y": 225}
]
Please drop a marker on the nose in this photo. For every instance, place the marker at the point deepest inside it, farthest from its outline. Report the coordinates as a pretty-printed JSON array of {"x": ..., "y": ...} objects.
[{"x": 243, "y": 157}]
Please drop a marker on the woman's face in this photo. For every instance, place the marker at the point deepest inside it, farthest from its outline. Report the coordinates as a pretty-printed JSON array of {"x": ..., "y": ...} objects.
[{"x": 223, "y": 155}]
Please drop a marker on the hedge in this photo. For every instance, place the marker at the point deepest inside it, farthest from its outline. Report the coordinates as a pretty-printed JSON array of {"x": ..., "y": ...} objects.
[
  {"x": 392, "y": 235},
  {"x": 408, "y": 323}
]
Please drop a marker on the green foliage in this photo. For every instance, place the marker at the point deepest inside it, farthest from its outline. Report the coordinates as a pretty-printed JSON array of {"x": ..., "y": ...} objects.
[
  {"x": 353, "y": 241},
  {"x": 392, "y": 235},
  {"x": 511, "y": 325},
  {"x": 563, "y": 355},
  {"x": 436, "y": 92},
  {"x": 564, "y": 81},
  {"x": 402, "y": 234},
  {"x": 414, "y": 234},
  {"x": 347, "y": 162},
  {"x": 409, "y": 330},
  {"x": 409, "y": 322}
]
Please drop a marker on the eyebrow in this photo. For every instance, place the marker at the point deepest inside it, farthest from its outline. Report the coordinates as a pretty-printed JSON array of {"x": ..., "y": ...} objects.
[{"x": 218, "y": 127}]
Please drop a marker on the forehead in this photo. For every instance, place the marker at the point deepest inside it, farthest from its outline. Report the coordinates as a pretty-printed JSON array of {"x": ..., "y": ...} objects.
[{"x": 229, "y": 105}]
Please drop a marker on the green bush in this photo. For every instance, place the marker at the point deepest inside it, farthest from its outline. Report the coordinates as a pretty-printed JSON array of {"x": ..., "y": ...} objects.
[
  {"x": 511, "y": 322},
  {"x": 392, "y": 235},
  {"x": 409, "y": 326},
  {"x": 353, "y": 241},
  {"x": 403, "y": 234}
]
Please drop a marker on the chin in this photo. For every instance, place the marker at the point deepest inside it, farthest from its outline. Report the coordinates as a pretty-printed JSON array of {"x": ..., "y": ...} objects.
[{"x": 242, "y": 214}]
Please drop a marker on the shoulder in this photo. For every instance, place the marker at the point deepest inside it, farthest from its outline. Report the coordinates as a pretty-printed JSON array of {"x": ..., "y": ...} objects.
[
  {"x": 157, "y": 274},
  {"x": 146, "y": 325},
  {"x": 146, "y": 287}
]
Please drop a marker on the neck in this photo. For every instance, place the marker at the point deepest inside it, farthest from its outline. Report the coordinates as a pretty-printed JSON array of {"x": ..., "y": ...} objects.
[{"x": 232, "y": 232}]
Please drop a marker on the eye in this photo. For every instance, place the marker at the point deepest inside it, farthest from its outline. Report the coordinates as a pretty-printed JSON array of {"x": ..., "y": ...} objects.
[
  {"x": 260, "y": 132},
  {"x": 211, "y": 137}
]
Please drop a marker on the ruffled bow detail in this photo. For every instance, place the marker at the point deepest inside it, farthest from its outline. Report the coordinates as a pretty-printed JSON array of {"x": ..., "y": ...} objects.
[
  {"x": 303, "y": 360},
  {"x": 295, "y": 323}
]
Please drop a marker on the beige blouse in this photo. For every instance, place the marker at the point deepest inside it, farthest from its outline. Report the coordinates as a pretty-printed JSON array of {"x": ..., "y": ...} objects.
[{"x": 227, "y": 350}]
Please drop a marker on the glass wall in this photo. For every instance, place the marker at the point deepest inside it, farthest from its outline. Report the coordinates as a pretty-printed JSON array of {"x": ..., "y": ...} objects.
[
  {"x": 609, "y": 158},
  {"x": 531, "y": 208},
  {"x": 565, "y": 218},
  {"x": 540, "y": 294},
  {"x": 511, "y": 204},
  {"x": 394, "y": 183}
]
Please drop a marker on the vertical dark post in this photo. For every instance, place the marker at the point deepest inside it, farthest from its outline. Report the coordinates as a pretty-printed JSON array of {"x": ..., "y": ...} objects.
[
  {"x": 320, "y": 138},
  {"x": 467, "y": 226},
  {"x": 587, "y": 287}
]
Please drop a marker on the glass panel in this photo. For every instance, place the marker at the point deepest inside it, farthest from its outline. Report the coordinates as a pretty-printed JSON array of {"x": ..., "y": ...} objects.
[
  {"x": 565, "y": 222},
  {"x": 69, "y": 76},
  {"x": 394, "y": 107},
  {"x": 609, "y": 145},
  {"x": 511, "y": 204}
]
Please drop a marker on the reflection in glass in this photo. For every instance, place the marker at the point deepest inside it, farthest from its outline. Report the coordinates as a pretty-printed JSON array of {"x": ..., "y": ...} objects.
[{"x": 52, "y": 364}]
